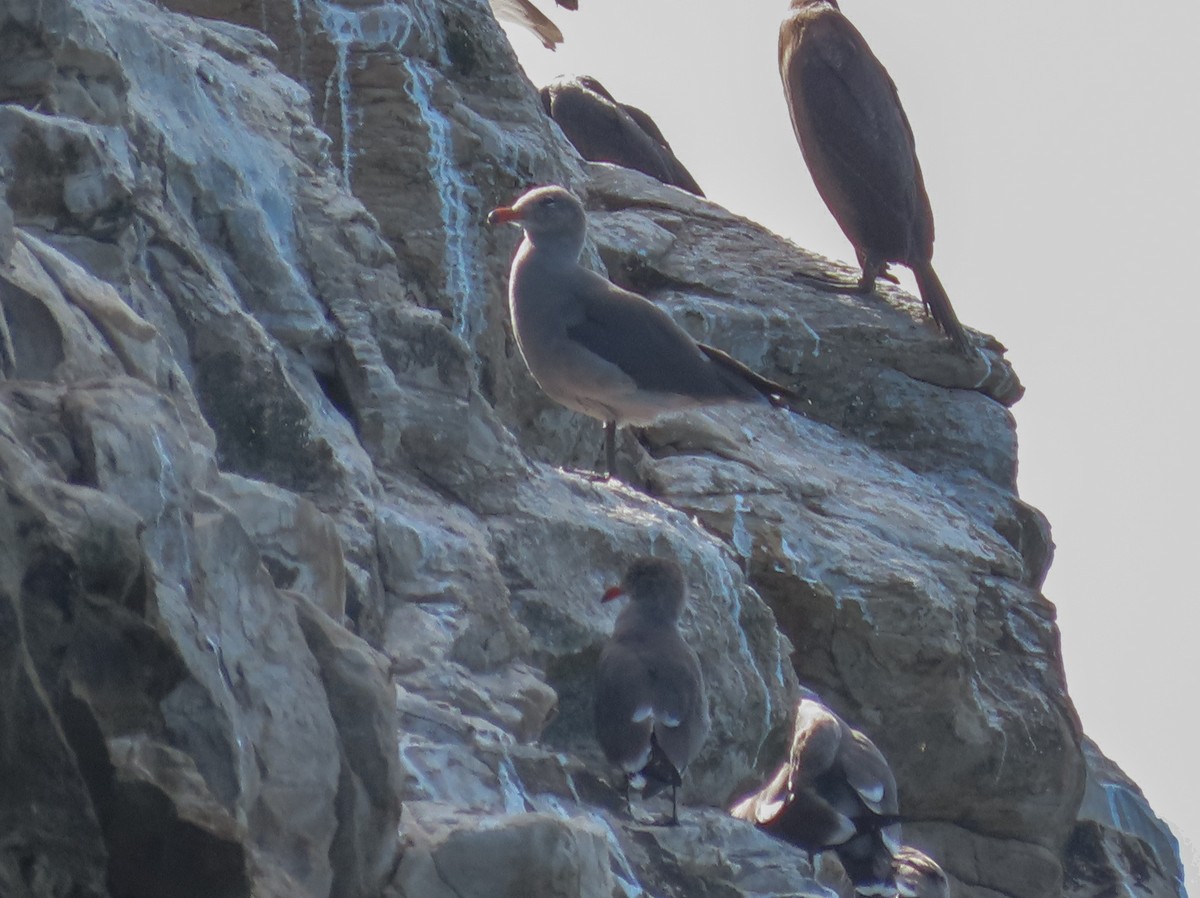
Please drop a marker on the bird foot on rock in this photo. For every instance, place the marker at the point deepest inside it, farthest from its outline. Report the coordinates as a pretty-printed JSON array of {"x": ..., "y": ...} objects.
[
  {"x": 864, "y": 288},
  {"x": 835, "y": 285},
  {"x": 831, "y": 285}
]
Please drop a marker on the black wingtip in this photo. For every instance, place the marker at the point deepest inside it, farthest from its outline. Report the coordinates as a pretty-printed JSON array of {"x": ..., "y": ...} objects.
[
  {"x": 775, "y": 393},
  {"x": 659, "y": 771}
]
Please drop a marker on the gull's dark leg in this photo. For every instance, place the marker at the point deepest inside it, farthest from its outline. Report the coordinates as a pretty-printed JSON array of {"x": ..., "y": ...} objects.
[
  {"x": 870, "y": 272},
  {"x": 610, "y": 456},
  {"x": 673, "y": 820},
  {"x": 610, "y": 447}
]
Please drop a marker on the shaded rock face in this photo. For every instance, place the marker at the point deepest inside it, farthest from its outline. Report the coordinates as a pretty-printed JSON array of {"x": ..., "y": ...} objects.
[{"x": 295, "y": 599}]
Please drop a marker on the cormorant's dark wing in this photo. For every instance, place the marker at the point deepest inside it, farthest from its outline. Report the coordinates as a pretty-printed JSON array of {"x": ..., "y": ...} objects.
[
  {"x": 858, "y": 126},
  {"x": 604, "y": 131},
  {"x": 679, "y": 175}
]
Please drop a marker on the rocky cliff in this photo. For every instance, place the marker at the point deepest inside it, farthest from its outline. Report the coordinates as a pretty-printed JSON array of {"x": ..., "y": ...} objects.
[{"x": 298, "y": 591}]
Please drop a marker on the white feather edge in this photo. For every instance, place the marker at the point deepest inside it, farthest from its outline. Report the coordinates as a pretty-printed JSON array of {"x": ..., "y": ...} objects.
[{"x": 872, "y": 795}]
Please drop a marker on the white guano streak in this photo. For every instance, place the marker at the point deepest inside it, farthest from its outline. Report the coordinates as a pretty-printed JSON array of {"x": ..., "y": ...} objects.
[{"x": 390, "y": 25}]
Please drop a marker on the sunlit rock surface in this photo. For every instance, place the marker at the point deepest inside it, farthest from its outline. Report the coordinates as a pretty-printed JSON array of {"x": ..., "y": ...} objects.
[{"x": 296, "y": 597}]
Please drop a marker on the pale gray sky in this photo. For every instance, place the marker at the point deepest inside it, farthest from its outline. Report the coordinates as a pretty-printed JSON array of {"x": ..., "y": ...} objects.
[{"x": 1057, "y": 141}]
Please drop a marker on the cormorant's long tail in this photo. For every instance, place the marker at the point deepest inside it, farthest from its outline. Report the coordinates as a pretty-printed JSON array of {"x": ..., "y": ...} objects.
[{"x": 933, "y": 294}]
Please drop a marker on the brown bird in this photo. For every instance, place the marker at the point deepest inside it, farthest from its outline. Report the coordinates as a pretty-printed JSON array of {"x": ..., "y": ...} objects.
[
  {"x": 650, "y": 713},
  {"x": 532, "y": 19},
  {"x": 860, "y": 150},
  {"x": 603, "y": 130},
  {"x": 601, "y": 350},
  {"x": 835, "y": 792},
  {"x": 526, "y": 14}
]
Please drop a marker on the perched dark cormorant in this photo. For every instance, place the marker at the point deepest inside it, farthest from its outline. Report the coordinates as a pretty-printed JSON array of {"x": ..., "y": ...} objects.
[
  {"x": 603, "y": 130},
  {"x": 859, "y": 148}
]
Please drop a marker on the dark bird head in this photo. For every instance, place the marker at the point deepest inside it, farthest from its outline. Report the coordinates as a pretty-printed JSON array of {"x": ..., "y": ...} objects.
[
  {"x": 655, "y": 587},
  {"x": 593, "y": 84},
  {"x": 551, "y": 216}
]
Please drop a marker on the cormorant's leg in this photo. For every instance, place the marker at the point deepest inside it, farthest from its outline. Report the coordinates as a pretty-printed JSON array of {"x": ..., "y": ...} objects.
[
  {"x": 870, "y": 272},
  {"x": 873, "y": 268}
]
